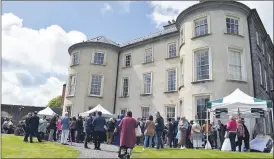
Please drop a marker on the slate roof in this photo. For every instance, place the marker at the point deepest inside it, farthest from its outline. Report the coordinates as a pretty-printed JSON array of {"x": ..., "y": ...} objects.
[{"x": 103, "y": 39}]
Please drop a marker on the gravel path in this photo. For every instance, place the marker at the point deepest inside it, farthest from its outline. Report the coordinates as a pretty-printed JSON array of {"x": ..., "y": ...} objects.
[{"x": 108, "y": 151}]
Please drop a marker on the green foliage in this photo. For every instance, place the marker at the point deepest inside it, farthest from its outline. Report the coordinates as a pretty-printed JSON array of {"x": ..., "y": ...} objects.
[{"x": 55, "y": 102}]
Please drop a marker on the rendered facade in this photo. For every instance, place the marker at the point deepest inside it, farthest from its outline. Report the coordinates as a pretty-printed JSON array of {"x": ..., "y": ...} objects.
[{"x": 204, "y": 55}]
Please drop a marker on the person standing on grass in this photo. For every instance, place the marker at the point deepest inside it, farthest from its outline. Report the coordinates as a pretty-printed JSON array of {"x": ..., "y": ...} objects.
[
  {"x": 182, "y": 129},
  {"x": 175, "y": 128},
  {"x": 88, "y": 129},
  {"x": 42, "y": 128},
  {"x": 79, "y": 129},
  {"x": 99, "y": 124},
  {"x": 170, "y": 133},
  {"x": 240, "y": 134},
  {"x": 59, "y": 129},
  {"x": 232, "y": 128},
  {"x": 27, "y": 128},
  {"x": 65, "y": 129},
  {"x": 221, "y": 129},
  {"x": 52, "y": 126},
  {"x": 33, "y": 125},
  {"x": 247, "y": 136},
  {"x": 149, "y": 131},
  {"x": 207, "y": 129},
  {"x": 159, "y": 128}
]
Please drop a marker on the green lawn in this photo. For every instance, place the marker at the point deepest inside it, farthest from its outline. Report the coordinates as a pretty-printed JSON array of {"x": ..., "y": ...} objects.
[
  {"x": 191, "y": 153},
  {"x": 14, "y": 147}
]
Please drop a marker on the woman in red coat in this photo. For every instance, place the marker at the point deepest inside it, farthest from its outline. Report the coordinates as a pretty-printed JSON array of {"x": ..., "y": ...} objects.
[{"x": 127, "y": 131}]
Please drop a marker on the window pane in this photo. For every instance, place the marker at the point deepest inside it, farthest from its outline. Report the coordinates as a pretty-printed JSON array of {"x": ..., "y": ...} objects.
[
  {"x": 202, "y": 65},
  {"x": 235, "y": 68},
  {"x": 171, "y": 80},
  {"x": 128, "y": 60},
  {"x": 147, "y": 83},
  {"x": 172, "y": 50},
  {"x": 232, "y": 25},
  {"x": 96, "y": 85},
  {"x": 201, "y": 108},
  {"x": 99, "y": 58},
  {"x": 148, "y": 55},
  {"x": 125, "y": 87},
  {"x": 145, "y": 112},
  {"x": 201, "y": 27},
  {"x": 170, "y": 112}
]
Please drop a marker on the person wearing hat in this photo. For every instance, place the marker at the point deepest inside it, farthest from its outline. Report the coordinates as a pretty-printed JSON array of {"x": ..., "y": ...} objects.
[{"x": 33, "y": 127}]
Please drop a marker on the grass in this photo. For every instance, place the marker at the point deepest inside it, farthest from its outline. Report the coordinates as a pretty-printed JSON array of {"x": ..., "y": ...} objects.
[
  {"x": 191, "y": 153},
  {"x": 14, "y": 147}
]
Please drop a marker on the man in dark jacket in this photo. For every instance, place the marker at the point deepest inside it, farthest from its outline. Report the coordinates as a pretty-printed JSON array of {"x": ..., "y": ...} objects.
[
  {"x": 89, "y": 129},
  {"x": 175, "y": 125},
  {"x": 27, "y": 124},
  {"x": 79, "y": 129},
  {"x": 247, "y": 136},
  {"x": 159, "y": 128},
  {"x": 221, "y": 130},
  {"x": 170, "y": 133},
  {"x": 99, "y": 124},
  {"x": 33, "y": 127}
]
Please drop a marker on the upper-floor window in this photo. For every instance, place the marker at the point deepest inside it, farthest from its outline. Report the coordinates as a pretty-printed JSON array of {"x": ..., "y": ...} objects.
[
  {"x": 147, "y": 79},
  {"x": 201, "y": 65},
  {"x": 261, "y": 72},
  {"x": 125, "y": 84},
  {"x": 171, "y": 80},
  {"x": 96, "y": 85},
  {"x": 72, "y": 85},
  {"x": 257, "y": 38},
  {"x": 172, "y": 50},
  {"x": 148, "y": 55},
  {"x": 99, "y": 58},
  {"x": 127, "y": 60},
  {"x": 271, "y": 83},
  {"x": 75, "y": 58},
  {"x": 235, "y": 64},
  {"x": 232, "y": 25},
  {"x": 269, "y": 59},
  {"x": 201, "y": 26},
  {"x": 266, "y": 80}
]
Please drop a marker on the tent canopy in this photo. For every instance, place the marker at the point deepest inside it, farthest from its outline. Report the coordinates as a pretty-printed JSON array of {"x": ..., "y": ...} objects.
[
  {"x": 99, "y": 107},
  {"x": 47, "y": 112},
  {"x": 239, "y": 101}
]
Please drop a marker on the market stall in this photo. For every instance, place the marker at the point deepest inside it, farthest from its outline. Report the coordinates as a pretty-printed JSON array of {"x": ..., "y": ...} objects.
[
  {"x": 48, "y": 112},
  {"x": 99, "y": 107}
]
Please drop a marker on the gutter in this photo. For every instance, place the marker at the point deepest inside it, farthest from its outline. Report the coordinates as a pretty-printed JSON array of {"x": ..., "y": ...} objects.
[
  {"x": 116, "y": 85},
  {"x": 251, "y": 54}
]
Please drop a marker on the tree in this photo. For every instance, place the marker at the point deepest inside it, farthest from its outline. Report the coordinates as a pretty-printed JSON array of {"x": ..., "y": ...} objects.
[{"x": 55, "y": 102}]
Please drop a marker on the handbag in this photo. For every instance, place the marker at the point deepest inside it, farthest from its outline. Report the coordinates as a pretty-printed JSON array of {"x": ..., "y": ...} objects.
[{"x": 138, "y": 131}]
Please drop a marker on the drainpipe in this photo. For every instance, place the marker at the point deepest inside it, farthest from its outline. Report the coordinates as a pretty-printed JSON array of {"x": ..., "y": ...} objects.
[
  {"x": 251, "y": 54},
  {"x": 116, "y": 85}
]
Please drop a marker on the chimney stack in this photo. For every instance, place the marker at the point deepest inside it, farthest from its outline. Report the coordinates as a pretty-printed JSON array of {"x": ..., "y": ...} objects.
[{"x": 63, "y": 95}]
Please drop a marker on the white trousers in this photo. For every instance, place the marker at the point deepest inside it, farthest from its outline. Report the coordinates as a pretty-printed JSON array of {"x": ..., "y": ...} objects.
[{"x": 64, "y": 136}]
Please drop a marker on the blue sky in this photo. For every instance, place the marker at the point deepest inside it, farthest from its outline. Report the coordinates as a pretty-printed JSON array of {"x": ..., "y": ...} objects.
[
  {"x": 36, "y": 36},
  {"x": 87, "y": 17}
]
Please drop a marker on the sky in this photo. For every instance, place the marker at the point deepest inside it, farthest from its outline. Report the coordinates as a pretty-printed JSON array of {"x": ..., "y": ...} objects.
[{"x": 36, "y": 36}]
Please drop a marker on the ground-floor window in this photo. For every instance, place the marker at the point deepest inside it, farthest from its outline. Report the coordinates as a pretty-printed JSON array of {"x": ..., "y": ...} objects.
[
  {"x": 145, "y": 112},
  {"x": 170, "y": 112},
  {"x": 201, "y": 103},
  {"x": 68, "y": 109},
  {"x": 123, "y": 111}
]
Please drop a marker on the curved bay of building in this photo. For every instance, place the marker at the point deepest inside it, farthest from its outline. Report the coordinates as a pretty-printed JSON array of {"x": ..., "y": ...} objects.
[{"x": 203, "y": 64}]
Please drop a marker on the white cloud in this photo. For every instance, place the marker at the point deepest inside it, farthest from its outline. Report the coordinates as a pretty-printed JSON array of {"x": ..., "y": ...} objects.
[
  {"x": 44, "y": 50},
  {"x": 106, "y": 8},
  {"x": 168, "y": 10}
]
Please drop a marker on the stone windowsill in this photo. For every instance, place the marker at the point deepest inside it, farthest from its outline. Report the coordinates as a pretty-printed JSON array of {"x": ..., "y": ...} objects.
[
  {"x": 98, "y": 64},
  {"x": 195, "y": 37},
  {"x": 237, "y": 81},
  {"x": 171, "y": 91},
  {"x": 123, "y": 96},
  {"x": 145, "y": 94},
  {"x": 144, "y": 63},
  {"x": 233, "y": 34},
  {"x": 70, "y": 96},
  {"x": 124, "y": 67},
  {"x": 95, "y": 96},
  {"x": 202, "y": 81},
  {"x": 169, "y": 58}
]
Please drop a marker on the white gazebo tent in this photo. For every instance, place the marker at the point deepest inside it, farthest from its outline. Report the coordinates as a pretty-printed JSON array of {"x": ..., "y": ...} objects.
[
  {"x": 239, "y": 103},
  {"x": 99, "y": 107},
  {"x": 48, "y": 112}
]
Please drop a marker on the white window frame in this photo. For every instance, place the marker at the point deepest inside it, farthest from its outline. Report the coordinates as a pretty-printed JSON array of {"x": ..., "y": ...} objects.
[
  {"x": 72, "y": 59},
  {"x": 269, "y": 59},
  {"x": 102, "y": 86},
  {"x": 173, "y": 106},
  {"x": 121, "y": 109},
  {"x": 257, "y": 38},
  {"x": 261, "y": 72},
  {"x": 200, "y": 96},
  {"x": 69, "y": 112},
  {"x": 151, "y": 83},
  {"x": 176, "y": 77},
  {"x": 263, "y": 48},
  {"x": 93, "y": 57},
  {"x": 195, "y": 79},
  {"x": 168, "y": 49},
  {"x": 230, "y": 50},
  {"x": 148, "y": 113},
  {"x": 208, "y": 25},
  {"x": 70, "y": 85},
  {"x": 272, "y": 84},
  {"x": 125, "y": 60},
  {"x": 238, "y": 25},
  {"x": 266, "y": 79},
  {"x": 122, "y": 88},
  {"x": 145, "y": 57}
]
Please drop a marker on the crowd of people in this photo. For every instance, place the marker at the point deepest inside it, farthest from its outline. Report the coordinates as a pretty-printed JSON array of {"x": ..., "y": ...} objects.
[{"x": 121, "y": 132}]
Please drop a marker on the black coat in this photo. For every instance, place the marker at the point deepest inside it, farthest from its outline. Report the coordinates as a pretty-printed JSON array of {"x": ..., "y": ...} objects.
[
  {"x": 52, "y": 123},
  {"x": 221, "y": 131},
  {"x": 246, "y": 131},
  {"x": 34, "y": 123},
  {"x": 89, "y": 125},
  {"x": 175, "y": 127},
  {"x": 160, "y": 124},
  {"x": 79, "y": 125}
]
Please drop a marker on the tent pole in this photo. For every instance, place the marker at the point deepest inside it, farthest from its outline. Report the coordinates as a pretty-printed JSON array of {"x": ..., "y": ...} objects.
[{"x": 207, "y": 126}]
